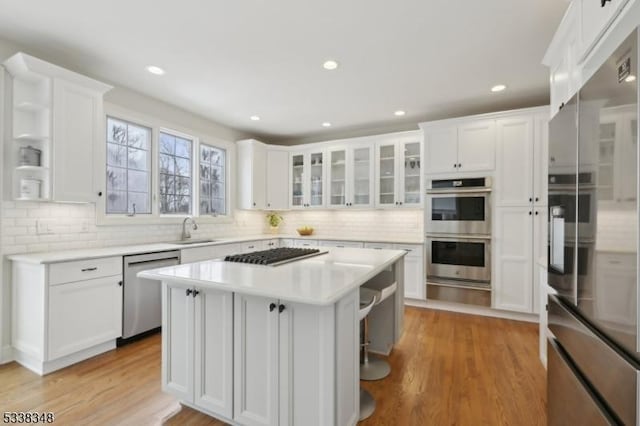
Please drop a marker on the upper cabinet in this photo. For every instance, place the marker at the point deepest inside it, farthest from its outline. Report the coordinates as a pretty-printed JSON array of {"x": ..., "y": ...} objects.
[
  {"x": 306, "y": 179},
  {"x": 467, "y": 146},
  {"x": 596, "y": 17},
  {"x": 262, "y": 176},
  {"x": 398, "y": 171},
  {"x": 56, "y": 124},
  {"x": 350, "y": 174}
]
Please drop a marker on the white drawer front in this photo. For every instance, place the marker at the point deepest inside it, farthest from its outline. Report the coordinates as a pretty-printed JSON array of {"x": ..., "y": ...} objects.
[
  {"x": 378, "y": 246},
  {"x": 68, "y": 272}
]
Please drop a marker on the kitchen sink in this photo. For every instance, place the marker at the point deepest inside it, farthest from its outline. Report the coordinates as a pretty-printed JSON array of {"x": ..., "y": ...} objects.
[{"x": 188, "y": 242}]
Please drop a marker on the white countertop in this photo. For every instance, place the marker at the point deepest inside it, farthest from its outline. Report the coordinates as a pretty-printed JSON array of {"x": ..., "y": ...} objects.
[
  {"x": 319, "y": 280},
  {"x": 94, "y": 253}
]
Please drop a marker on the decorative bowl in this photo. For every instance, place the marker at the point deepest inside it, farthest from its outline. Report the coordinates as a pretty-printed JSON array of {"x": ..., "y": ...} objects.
[{"x": 305, "y": 231}]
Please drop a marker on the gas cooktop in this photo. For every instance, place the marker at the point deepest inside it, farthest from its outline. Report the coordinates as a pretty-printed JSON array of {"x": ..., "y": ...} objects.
[{"x": 274, "y": 257}]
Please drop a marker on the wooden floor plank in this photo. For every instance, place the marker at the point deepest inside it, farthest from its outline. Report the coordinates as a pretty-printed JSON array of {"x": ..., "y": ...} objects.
[{"x": 448, "y": 369}]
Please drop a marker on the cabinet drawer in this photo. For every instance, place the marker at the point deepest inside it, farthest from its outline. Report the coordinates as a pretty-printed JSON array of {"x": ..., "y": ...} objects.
[
  {"x": 412, "y": 250},
  {"x": 378, "y": 246},
  {"x": 84, "y": 270}
]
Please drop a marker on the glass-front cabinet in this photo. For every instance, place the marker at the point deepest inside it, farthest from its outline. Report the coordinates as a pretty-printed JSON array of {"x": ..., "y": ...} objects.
[
  {"x": 399, "y": 173},
  {"x": 307, "y": 171},
  {"x": 350, "y": 176}
]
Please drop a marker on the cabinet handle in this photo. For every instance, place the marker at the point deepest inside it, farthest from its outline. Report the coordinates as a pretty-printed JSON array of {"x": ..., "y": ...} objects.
[
  {"x": 268, "y": 204},
  {"x": 189, "y": 291},
  {"x": 603, "y": 2},
  {"x": 99, "y": 193},
  {"x": 254, "y": 204},
  {"x": 272, "y": 306},
  {"x": 280, "y": 308},
  {"x": 537, "y": 213},
  {"x": 400, "y": 202},
  {"x": 537, "y": 199},
  {"x": 459, "y": 165},
  {"x": 561, "y": 106},
  {"x": 95, "y": 268},
  {"x": 530, "y": 213},
  {"x": 530, "y": 200},
  {"x": 120, "y": 283},
  {"x": 195, "y": 293},
  {"x": 455, "y": 166}
]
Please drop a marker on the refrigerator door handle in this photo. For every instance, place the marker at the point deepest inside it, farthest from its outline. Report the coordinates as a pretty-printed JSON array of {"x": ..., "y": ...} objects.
[{"x": 556, "y": 238}]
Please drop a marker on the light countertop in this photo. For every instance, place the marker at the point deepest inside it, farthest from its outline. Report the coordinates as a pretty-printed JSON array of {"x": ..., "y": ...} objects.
[
  {"x": 94, "y": 253},
  {"x": 319, "y": 280}
]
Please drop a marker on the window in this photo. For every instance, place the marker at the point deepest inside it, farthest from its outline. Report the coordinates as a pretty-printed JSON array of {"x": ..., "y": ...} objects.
[
  {"x": 175, "y": 174},
  {"x": 212, "y": 180},
  {"x": 128, "y": 168}
]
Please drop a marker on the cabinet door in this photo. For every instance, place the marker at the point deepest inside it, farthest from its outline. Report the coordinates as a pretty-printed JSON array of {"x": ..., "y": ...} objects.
[
  {"x": 337, "y": 174},
  {"x": 316, "y": 190},
  {"x": 255, "y": 328},
  {"x": 277, "y": 179},
  {"x": 258, "y": 177},
  {"x": 514, "y": 185},
  {"x": 77, "y": 114},
  {"x": 513, "y": 272},
  {"x": 252, "y": 246},
  {"x": 540, "y": 231},
  {"x": 177, "y": 341},
  {"x": 596, "y": 16},
  {"x": 297, "y": 180},
  {"x": 214, "y": 351},
  {"x": 414, "y": 278},
  {"x": 305, "y": 243},
  {"x": 541, "y": 160},
  {"x": 477, "y": 146},
  {"x": 270, "y": 244},
  {"x": 386, "y": 184},
  {"x": 411, "y": 176},
  {"x": 361, "y": 176},
  {"x": 84, "y": 314},
  {"x": 441, "y": 150}
]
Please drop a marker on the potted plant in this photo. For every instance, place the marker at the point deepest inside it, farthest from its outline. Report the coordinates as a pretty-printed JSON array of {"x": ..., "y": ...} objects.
[{"x": 274, "y": 220}]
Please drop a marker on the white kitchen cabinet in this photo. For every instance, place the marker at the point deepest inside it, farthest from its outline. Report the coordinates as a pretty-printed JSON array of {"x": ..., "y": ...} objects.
[
  {"x": 522, "y": 160},
  {"x": 251, "y": 174},
  {"x": 197, "y": 342},
  {"x": 83, "y": 314},
  {"x": 596, "y": 17},
  {"x": 277, "y": 179},
  {"x": 250, "y": 246},
  {"x": 66, "y": 312},
  {"x": 350, "y": 175},
  {"x": 379, "y": 246},
  {"x": 270, "y": 244},
  {"x": 540, "y": 250},
  {"x": 341, "y": 244},
  {"x": 60, "y": 113},
  {"x": 513, "y": 266},
  {"x": 563, "y": 56},
  {"x": 306, "y": 179},
  {"x": 305, "y": 243},
  {"x": 463, "y": 146},
  {"x": 398, "y": 171},
  {"x": 414, "y": 276}
]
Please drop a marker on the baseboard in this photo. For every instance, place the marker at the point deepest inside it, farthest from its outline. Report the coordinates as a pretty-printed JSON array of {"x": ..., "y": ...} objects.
[
  {"x": 45, "y": 367},
  {"x": 473, "y": 310},
  {"x": 6, "y": 354}
]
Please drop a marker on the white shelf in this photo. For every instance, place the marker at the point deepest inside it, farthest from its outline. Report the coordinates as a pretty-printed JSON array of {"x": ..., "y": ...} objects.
[
  {"x": 33, "y": 168},
  {"x": 30, "y": 137},
  {"x": 28, "y": 106}
]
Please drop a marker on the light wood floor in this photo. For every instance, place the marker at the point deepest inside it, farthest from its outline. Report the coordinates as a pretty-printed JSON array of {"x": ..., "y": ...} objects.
[{"x": 448, "y": 369}]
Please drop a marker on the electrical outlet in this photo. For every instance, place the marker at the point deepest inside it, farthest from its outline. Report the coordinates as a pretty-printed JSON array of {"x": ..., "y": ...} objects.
[{"x": 44, "y": 226}]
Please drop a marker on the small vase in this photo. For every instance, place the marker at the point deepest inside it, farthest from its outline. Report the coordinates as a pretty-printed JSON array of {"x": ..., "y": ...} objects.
[{"x": 274, "y": 229}]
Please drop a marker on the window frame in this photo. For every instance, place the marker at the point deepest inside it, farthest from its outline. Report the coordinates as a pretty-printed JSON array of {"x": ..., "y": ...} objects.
[
  {"x": 226, "y": 178},
  {"x": 157, "y": 125}
]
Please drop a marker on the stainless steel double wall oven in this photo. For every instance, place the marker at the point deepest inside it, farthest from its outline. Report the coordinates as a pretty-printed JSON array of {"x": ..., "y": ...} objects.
[{"x": 458, "y": 226}]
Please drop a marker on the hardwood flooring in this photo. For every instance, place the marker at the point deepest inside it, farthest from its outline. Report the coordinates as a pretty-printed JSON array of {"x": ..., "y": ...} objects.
[{"x": 448, "y": 369}]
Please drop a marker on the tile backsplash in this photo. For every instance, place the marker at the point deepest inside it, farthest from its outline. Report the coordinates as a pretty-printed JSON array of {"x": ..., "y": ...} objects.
[{"x": 73, "y": 226}]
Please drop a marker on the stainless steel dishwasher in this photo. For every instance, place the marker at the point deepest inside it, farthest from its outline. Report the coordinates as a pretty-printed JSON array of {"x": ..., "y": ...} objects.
[{"x": 142, "y": 298}]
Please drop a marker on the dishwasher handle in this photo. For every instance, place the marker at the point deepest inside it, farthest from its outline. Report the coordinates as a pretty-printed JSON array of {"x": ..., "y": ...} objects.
[{"x": 141, "y": 262}]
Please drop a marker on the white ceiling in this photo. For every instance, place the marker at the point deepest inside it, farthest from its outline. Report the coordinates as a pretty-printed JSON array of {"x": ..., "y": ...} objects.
[{"x": 228, "y": 60}]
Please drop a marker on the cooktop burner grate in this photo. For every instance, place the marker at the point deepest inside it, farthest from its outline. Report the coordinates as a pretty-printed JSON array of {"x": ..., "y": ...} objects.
[{"x": 273, "y": 257}]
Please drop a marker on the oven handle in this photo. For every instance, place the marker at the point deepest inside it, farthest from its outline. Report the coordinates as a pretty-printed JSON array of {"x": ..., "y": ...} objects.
[
  {"x": 459, "y": 191},
  {"x": 458, "y": 237}
]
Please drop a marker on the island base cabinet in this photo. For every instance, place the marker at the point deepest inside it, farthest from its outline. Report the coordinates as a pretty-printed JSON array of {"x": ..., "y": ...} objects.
[
  {"x": 293, "y": 366},
  {"x": 84, "y": 314},
  {"x": 197, "y": 349}
]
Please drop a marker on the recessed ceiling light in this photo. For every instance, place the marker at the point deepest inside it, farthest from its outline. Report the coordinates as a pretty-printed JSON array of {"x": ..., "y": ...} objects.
[
  {"x": 498, "y": 88},
  {"x": 255, "y": 118},
  {"x": 330, "y": 65},
  {"x": 399, "y": 113},
  {"x": 155, "y": 70},
  {"x": 326, "y": 124},
  {"x": 630, "y": 78}
]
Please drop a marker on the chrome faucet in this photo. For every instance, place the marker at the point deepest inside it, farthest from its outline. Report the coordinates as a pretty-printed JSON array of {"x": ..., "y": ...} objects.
[{"x": 186, "y": 234}]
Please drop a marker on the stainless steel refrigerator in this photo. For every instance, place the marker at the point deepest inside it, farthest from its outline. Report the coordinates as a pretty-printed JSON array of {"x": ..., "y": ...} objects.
[{"x": 593, "y": 356}]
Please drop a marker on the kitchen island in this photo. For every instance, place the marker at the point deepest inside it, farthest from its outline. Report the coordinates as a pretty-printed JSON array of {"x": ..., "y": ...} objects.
[{"x": 275, "y": 345}]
